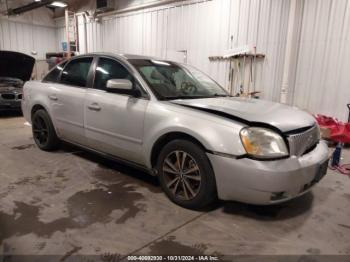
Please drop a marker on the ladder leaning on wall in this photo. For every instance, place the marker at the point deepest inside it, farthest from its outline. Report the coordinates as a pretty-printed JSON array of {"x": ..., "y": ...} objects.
[{"x": 71, "y": 32}]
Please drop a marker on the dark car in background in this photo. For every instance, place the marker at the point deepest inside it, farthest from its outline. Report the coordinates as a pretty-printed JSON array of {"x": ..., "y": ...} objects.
[{"x": 15, "y": 69}]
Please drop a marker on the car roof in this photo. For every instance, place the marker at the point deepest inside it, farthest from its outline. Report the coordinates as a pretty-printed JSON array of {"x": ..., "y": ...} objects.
[{"x": 123, "y": 56}]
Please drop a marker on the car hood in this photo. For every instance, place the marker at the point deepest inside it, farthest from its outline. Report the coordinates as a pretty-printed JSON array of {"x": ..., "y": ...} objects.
[
  {"x": 16, "y": 65},
  {"x": 253, "y": 111}
]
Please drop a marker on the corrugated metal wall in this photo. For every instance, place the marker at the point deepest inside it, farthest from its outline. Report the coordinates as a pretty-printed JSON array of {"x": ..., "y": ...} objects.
[
  {"x": 60, "y": 35},
  {"x": 24, "y": 37},
  {"x": 27, "y": 38},
  {"x": 262, "y": 23},
  {"x": 322, "y": 80},
  {"x": 32, "y": 33},
  {"x": 203, "y": 28}
]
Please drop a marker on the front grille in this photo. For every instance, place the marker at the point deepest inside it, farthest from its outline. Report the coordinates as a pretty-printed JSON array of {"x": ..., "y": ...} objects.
[
  {"x": 8, "y": 96},
  {"x": 300, "y": 143}
]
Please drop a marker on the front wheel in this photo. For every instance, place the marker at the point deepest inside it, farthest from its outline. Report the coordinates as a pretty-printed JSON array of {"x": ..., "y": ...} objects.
[
  {"x": 186, "y": 175},
  {"x": 44, "y": 133}
]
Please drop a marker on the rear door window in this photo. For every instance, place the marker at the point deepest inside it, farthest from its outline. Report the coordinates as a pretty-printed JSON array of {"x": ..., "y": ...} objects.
[
  {"x": 54, "y": 74},
  {"x": 76, "y": 72}
]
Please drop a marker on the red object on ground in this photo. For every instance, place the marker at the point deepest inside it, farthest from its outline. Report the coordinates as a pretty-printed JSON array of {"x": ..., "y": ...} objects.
[
  {"x": 342, "y": 169},
  {"x": 340, "y": 132},
  {"x": 327, "y": 122}
]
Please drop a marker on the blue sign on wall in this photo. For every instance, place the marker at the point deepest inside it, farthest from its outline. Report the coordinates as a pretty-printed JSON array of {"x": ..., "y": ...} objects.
[{"x": 64, "y": 46}]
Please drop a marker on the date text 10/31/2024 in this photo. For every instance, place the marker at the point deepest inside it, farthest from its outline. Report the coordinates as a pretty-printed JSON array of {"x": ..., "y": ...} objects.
[{"x": 173, "y": 258}]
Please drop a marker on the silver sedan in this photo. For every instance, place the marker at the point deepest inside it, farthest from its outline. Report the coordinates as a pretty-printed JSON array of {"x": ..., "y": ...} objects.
[{"x": 178, "y": 124}]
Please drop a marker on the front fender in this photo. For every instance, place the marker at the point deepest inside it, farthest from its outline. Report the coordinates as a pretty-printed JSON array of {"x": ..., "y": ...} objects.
[{"x": 216, "y": 134}]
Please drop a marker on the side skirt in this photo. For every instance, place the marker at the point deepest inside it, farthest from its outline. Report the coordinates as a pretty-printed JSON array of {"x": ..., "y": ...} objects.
[{"x": 114, "y": 158}]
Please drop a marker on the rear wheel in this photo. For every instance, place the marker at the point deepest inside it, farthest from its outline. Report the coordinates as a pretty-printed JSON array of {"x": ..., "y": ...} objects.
[
  {"x": 44, "y": 133},
  {"x": 186, "y": 175}
]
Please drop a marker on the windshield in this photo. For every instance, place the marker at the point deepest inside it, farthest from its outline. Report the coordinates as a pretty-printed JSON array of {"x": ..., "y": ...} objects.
[{"x": 172, "y": 81}]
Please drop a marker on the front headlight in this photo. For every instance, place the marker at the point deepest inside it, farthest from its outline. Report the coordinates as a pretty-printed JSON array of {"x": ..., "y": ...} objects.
[{"x": 263, "y": 143}]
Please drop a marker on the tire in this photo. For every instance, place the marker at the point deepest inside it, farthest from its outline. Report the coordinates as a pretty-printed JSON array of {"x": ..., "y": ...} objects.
[
  {"x": 195, "y": 190},
  {"x": 44, "y": 133}
]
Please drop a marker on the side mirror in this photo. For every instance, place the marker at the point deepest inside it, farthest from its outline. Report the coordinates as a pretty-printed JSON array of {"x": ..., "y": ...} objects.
[
  {"x": 115, "y": 85},
  {"x": 122, "y": 86}
]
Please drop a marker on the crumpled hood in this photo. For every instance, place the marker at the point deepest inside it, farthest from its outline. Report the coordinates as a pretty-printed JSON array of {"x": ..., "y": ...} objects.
[
  {"x": 283, "y": 117},
  {"x": 16, "y": 65}
]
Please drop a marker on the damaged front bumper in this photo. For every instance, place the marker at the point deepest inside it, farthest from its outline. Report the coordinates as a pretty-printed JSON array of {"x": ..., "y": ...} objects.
[{"x": 269, "y": 182}]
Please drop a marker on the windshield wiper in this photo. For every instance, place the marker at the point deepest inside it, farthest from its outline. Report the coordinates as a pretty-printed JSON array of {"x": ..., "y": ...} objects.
[
  {"x": 183, "y": 97},
  {"x": 220, "y": 95}
]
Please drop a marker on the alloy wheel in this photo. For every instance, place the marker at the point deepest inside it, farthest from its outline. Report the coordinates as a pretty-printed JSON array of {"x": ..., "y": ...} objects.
[
  {"x": 40, "y": 130},
  {"x": 182, "y": 175}
]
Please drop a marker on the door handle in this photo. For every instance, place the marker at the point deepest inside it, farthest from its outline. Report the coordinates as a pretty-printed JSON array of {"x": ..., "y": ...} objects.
[
  {"x": 53, "y": 97},
  {"x": 94, "y": 107}
]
